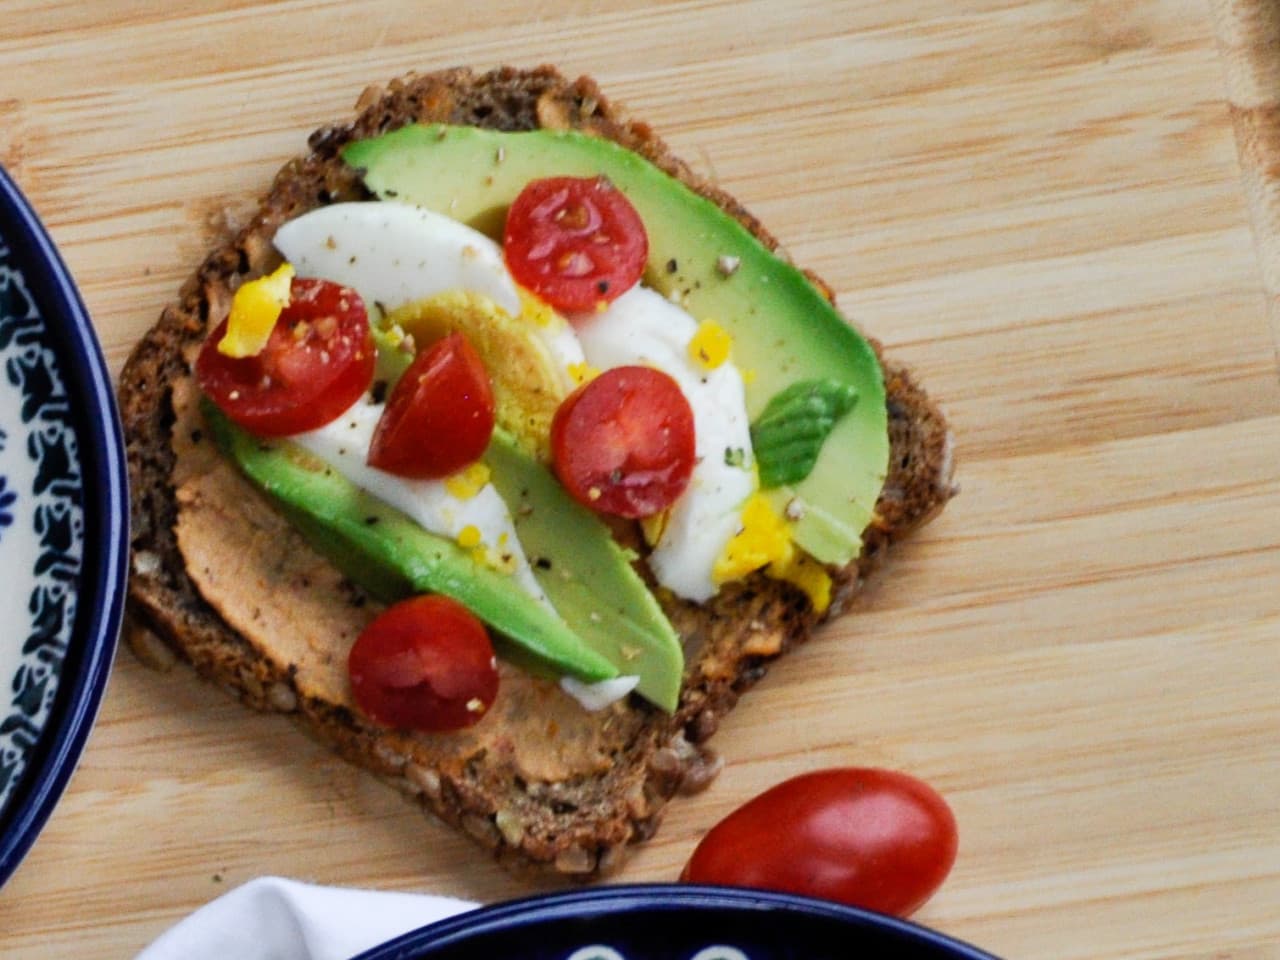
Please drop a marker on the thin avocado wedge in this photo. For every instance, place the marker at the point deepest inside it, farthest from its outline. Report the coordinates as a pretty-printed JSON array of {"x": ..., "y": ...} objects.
[
  {"x": 783, "y": 329},
  {"x": 392, "y": 556},
  {"x": 587, "y": 576}
]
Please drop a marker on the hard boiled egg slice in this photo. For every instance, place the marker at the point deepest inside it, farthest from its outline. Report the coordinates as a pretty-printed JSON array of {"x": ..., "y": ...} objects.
[
  {"x": 471, "y": 514},
  {"x": 643, "y": 327},
  {"x": 392, "y": 253}
]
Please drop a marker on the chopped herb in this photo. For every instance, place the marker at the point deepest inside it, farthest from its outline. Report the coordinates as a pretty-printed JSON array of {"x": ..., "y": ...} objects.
[{"x": 735, "y": 457}]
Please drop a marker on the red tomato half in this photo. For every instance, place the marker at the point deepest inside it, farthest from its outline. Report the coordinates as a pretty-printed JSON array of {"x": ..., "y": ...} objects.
[
  {"x": 424, "y": 664},
  {"x": 623, "y": 443},
  {"x": 875, "y": 839},
  {"x": 439, "y": 417},
  {"x": 576, "y": 242},
  {"x": 317, "y": 363}
]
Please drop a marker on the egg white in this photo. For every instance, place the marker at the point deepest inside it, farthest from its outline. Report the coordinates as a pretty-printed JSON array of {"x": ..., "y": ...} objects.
[
  {"x": 394, "y": 253},
  {"x": 643, "y": 327}
]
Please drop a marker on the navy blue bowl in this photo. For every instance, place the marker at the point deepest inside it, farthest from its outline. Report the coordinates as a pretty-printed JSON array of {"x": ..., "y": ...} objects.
[
  {"x": 47, "y": 710},
  {"x": 672, "y": 922}
]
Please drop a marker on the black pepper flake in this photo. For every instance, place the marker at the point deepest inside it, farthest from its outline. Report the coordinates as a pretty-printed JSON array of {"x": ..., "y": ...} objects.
[
  {"x": 672, "y": 266},
  {"x": 391, "y": 193},
  {"x": 197, "y": 436},
  {"x": 378, "y": 391},
  {"x": 370, "y": 521},
  {"x": 602, "y": 287},
  {"x": 542, "y": 563}
]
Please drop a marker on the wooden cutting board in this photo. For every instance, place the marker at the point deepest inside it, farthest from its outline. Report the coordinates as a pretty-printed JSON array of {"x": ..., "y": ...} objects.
[{"x": 1037, "y": 205}]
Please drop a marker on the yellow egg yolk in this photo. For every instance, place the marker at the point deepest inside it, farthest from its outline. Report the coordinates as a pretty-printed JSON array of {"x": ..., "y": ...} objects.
[
  {"x": 255, "y": 309},
  {"x": 467, "y": 482},
  {"x": 765, "y": 541},
  {"x": 709, "y": 347}
]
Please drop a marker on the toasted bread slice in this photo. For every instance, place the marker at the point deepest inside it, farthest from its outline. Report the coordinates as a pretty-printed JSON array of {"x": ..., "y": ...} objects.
[{"x": 222, "y": 579}]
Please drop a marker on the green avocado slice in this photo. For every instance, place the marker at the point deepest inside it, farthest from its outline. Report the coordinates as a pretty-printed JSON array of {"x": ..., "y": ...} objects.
[
  {"x": 587, "y": 575},
  {"x": 784, "y": 330},
  {"x": 392, "y": 557}
]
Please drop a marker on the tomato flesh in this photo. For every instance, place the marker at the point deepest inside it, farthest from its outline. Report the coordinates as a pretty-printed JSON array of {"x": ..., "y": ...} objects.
[
  {"x": 623, "y": 443},
  {"x": 425, "y": 663},
  {"x": 440, "y": 415},
  {"x": 875, "y": 839},
  {"x": 317, "y": 362},
  {"x": 575, "y": 241}
]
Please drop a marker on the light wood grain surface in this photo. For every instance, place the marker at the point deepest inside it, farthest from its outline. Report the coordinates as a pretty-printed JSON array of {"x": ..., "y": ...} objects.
[{"x": 1038, "y": 205}]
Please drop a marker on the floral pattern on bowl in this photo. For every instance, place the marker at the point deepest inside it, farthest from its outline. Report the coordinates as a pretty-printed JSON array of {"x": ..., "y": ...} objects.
[
  {"x": 41, "y": 524},
  {"x": 64, "y": 526}
]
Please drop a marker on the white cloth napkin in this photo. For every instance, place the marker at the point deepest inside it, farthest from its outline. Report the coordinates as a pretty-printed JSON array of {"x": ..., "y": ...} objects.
[{"x": 272, "y": 918}]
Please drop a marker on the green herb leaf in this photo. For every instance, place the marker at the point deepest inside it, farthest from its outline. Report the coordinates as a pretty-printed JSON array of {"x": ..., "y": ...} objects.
[{"x": 789, "y": 433}]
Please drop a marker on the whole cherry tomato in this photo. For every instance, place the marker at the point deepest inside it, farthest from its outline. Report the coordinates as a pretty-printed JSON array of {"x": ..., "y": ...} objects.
[
  {"x": 623, "y": 443},
  {"x": 317, "y": 362},
  {"x": 439, "y": 417},
  {"x": 576, "y": 242},
  {"x": 870, "y": 838},
  {"x": 424, "y": 664}
]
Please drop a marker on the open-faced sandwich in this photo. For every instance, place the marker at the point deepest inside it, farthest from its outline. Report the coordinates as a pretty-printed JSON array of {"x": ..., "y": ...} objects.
[{"x": 504, "y": 453}]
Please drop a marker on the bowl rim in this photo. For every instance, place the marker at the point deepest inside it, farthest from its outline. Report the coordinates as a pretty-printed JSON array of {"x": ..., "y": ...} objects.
[
  {"x": 104, "y": 566},
  {"x": 629, "y": 898}
]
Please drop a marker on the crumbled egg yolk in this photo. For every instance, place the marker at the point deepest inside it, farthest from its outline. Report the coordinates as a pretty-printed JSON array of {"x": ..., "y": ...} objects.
[
  {"x": 500, "y": 559},
  {"x": 653, "y": 526},
  {"x": 536, "y": 310},
  {"x": 764, "y": 538},
  {"x": 582, "y": 372},
  {"x": 467, "y": 482},
  {"x": 255, "y": 309},
  {"x": 765, "y": 541},
  {"x": 807, "y": 574},
  {"x": 710, "y": 345}
]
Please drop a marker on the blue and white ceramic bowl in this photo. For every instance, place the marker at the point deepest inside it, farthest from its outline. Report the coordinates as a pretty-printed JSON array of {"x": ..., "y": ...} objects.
[
  {"x": 63, "y": 526},
  {"x": 672, "y": 922}
]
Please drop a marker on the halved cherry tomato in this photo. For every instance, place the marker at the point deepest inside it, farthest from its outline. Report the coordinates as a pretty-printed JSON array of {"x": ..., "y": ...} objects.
[
  {"x": 317, "y": 362},
  {"x": 623, "y": 443},
  {"x": 871, "y": 838},
  {"x": 577, "y": 242},
  {"x": 439, "y": 417},
  {"x": 424, "y": 664}
]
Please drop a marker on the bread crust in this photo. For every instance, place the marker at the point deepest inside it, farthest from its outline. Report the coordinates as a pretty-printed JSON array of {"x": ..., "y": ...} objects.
[{"x": 581, "y": 827}]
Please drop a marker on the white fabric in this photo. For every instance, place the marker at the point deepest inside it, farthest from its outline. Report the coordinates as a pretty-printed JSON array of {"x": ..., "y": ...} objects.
[{"x": 276, "y": 919}]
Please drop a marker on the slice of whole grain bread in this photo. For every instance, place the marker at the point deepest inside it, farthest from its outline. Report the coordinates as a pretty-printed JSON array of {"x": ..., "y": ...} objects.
[{"x": 223, "y": 581}]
